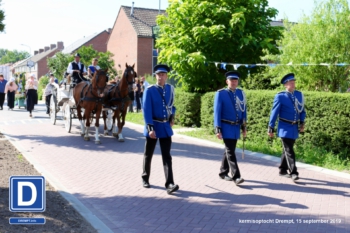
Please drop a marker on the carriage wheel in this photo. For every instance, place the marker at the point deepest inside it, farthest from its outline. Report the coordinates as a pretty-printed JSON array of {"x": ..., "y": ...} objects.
[
  {"x": 53, "y": 111},
  {"x": 109, "y": 120},
  {"x": 67, "y": 118}
]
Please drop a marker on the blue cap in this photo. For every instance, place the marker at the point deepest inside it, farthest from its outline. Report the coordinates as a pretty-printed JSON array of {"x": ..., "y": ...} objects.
[
  {"x": 232, "y": 75},
  {"x": 161, "y": 69},
  {"x": 287, "y": 78}
]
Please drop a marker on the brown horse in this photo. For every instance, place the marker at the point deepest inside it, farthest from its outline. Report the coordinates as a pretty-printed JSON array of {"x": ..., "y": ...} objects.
[
  {"x": 117, "y": 98},
  {"x": 90, "y": 98}
]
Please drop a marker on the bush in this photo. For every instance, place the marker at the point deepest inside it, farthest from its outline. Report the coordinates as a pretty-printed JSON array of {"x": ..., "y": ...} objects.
[
  {"x": 207, "y": 110},
  {"x": 43, "y": 81},
  {"x": 327, "y": 117},
  {"x": 188, "y": 107}
]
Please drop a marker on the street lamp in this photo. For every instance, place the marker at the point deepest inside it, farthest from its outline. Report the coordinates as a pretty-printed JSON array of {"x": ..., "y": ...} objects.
[{"x": 30, "y": 50}]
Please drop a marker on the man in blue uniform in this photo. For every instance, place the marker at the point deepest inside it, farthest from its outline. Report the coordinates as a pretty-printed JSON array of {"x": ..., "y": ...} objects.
[
  {"x": 288, "y": 106},
  {"x": 77, "y": 70},
  {"x": 158, "y": 113},
  {"x": 230, "y": 116}
]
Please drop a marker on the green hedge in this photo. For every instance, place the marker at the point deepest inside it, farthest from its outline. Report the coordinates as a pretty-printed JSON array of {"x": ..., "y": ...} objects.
[
  {"x": 327, "y": 121},
  {"x": 188, "y": 107}
]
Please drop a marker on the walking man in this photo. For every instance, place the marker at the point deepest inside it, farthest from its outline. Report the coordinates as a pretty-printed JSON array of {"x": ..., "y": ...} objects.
[
  {"x": 230, "y": 116},
  {"x": 159, "y": 112},
  {"x": 288, "y": 106}
]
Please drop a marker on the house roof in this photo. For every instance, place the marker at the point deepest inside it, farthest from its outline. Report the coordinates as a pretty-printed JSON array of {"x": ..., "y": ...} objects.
[
  {"x": 143, "y": 19},
  {"x": 77, "y": 44},
  {"x": 35, "y": 58},
  {"x": 277, "y": 23}
]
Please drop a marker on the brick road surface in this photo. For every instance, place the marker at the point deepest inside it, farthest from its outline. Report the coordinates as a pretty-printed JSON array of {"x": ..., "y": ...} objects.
[{"x": 106, "y": 179}]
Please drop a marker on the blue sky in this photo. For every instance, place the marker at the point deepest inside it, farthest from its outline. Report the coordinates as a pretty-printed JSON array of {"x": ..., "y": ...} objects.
[{"x": 39, "y": 23}]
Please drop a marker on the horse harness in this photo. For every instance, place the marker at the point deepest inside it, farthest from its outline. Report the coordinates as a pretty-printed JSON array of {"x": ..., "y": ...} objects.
[
  {"x": 114, "y": 88},
  {"x": 83, "y": 96}
]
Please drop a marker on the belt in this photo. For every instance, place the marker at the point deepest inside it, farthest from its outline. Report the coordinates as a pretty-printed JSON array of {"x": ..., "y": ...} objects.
[
  {"x": 288, "y": 121},
  {"x": 160, "y": 120},
  {"x": 231, "y": 122}
]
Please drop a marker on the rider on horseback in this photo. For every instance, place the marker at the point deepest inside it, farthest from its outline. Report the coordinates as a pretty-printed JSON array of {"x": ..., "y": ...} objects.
[{"x": 77, "y": 70}]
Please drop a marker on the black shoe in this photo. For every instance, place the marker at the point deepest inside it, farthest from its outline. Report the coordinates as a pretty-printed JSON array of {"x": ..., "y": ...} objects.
[
  {"x": 172, "y": 188},
  {"x": 284, "y": 174},
  {"x": 225, "y": 177},
  {"x": 295, "y": 177},
  {"x": 145, "y": 184},
  {"x": 239, "y": 181}
]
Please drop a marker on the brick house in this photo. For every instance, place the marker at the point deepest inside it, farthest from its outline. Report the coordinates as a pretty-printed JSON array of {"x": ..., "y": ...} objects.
[
  {"x": 97, "y": 40},
  {"x": 39, "y": 60},
  {"x": 131, "y": 38}
]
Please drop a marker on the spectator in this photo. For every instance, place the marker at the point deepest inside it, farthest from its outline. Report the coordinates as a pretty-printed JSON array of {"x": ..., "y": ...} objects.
[
  {"x": 145, "y": 83},
  {"x": 2, "y": 90},
  {"x": 32, "y": 95},
  {"x": 10, "y": 90},
  {"x": 137, "y": 94},
  {"x": 93, "y": 67},
  {"x": 48, "y": 93},
  {"x": 141, "y": 93}
]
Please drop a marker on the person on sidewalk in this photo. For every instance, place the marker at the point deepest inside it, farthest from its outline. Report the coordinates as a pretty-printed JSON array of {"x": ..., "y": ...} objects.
[
  {"x": 2, "y": 90},
  {"x": 32, "y": 95},
  {"x": 10, "y": 90},
  {"x": 77, "y": 70},
  {"x": 159, "y": 113},
  {"x": 230, "y": 115},
  {"x": 49, "y": 89},
  {"x": 288, "y": 105}
]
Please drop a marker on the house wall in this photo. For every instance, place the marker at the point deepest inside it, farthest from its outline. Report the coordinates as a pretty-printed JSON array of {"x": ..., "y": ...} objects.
[
  {"x": 99, "y": 43},
  {"x": 123, "y": 43},
  {"x": 144, "y": 56}
]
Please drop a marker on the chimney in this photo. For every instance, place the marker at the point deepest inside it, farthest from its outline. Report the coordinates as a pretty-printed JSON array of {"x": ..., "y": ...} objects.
[
  {"x": 109, "y": 30},
  {"x": 36, "y": 52},
  {"x": 47, "y": 48},
  {"x": 52, "y": 46},
  {"x": 60, "y": 45},
  {"x": 132, "y": 9},
  {"x": 41, "y": 50}
]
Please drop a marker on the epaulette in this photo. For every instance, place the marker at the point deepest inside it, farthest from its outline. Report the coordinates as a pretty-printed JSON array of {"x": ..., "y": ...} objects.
[
  {"x": 151, "y": 86},
  {"x": 221, "y": 89},
  {"x": 281, "y": 92},
  {"x": 297, "y": 91}
]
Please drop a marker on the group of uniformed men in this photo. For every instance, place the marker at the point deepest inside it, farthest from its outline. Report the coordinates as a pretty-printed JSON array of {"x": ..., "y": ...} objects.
[{"x": 230, "y": 118}]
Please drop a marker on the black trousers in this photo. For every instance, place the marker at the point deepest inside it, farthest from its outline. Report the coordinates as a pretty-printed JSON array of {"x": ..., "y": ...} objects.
[
  {"x": 165, "y": 146},
  {"x": 2, "y": 99},
  {"x": 229, "y": 160},
  {"x": 11, "y": 99},
  {"x": 288, "y": 156},
  {"x": 47, "y": 102}
]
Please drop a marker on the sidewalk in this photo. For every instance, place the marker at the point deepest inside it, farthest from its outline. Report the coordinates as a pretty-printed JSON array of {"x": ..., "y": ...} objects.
[{"x": 104, "y": 183}]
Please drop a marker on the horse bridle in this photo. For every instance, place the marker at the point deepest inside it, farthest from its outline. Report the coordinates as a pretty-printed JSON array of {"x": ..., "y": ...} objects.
[
  {"x": 126, "y": 75},
  {"x": 98, "y": 87}
]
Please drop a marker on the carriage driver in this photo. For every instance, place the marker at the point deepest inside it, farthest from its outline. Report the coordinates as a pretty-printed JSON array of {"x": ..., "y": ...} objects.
[{"x": 77, "y": 70}]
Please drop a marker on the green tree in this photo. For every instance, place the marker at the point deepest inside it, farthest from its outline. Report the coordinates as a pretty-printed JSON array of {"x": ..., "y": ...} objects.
[
  {"x": 197, "y": 32},
  {"x": 2, "y": 17},
  {"x": 7, "y": 56},
  {"x": 322, "y": 37},
  {"x": 105, "y": 60},
  {"x": 59, "y": 63}
]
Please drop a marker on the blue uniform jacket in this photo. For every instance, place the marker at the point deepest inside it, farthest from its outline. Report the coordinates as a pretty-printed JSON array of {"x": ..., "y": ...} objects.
[
  {"x": 226, "y": 107},
  {"x": 283, "y": 107},
  {"x": 154, "y": 107},
  {"x": 2, "y": 86}
]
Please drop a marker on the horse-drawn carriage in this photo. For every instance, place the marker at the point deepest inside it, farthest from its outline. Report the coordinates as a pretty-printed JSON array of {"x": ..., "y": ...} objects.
[{"x": 87, "y": 100}]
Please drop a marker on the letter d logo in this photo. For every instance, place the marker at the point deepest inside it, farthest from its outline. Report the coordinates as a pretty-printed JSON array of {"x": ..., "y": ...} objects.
[{"x": 27, "y": 194}]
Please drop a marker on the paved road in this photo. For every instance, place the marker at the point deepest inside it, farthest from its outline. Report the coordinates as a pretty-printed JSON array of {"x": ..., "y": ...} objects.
[{"x": 104, "y": 183}]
